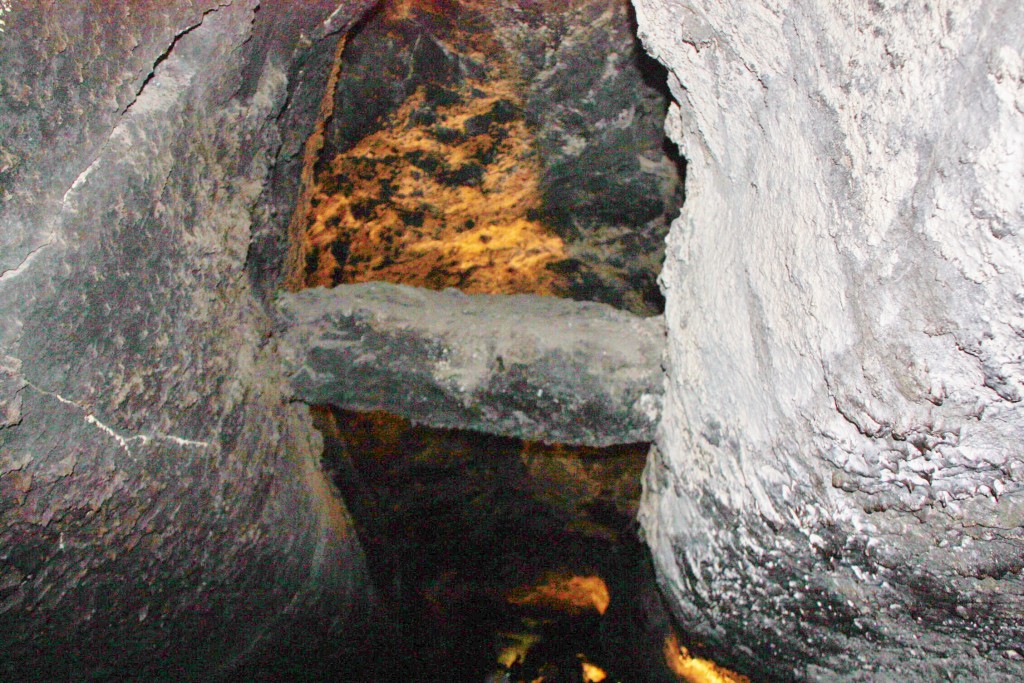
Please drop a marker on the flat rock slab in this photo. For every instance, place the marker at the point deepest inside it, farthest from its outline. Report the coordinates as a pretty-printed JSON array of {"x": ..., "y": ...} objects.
[{"x": 532, "y": 367}]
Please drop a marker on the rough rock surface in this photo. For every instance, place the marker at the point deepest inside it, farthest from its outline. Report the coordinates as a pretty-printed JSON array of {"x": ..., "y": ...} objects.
[
  {"x": 162, "y": 514},
  {"x": 838, "y": 494},
  {"x": 533, "y": 367},
  {"x": 455, "y": 522},
  {"x": 468, "y": 132}
]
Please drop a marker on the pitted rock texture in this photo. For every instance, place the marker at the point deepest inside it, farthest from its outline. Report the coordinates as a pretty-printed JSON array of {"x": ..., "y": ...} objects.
[
  {"x": 532, "y": 367},
  {"x": 839, "y": 493},
  {"x": 162, "y": 513},
  {"x": 503, "y": 147}
]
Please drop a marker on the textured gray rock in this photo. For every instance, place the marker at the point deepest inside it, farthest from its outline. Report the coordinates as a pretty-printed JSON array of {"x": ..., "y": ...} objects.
[
  {"x": 532, "y": 367},
  {"x": 838, "y": 493},
  {"x": 611, "y": 185},
  {"x": 162, "y": 514}
]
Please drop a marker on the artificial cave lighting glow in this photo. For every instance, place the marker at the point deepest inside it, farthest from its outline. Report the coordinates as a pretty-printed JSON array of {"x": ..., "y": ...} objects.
[
  {"x": 593, "y": 673},
  {"x": 518, "y": 645},
  {"x": 694, "y": 669},
  {"x": 413, "y": 206},
  {"x": 565, "y": 593},
  {"x": 445, "y": 188}
]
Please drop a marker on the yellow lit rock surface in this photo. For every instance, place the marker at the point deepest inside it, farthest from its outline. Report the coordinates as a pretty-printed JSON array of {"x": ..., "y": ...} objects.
[
  {"x": 695, "y": 670},
  {"x": 494, "y": 148},
  {"x": 515, "y": 651},
  {"x": 565, "y": 593},
  {"x": 433, "y": 206},
  {"x": 593, "y": 673}
]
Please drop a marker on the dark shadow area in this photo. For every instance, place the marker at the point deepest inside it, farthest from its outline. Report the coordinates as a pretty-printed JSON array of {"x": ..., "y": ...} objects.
[
  {"x": 497, "y": 556},
  {"x": 655, "y": 77}
]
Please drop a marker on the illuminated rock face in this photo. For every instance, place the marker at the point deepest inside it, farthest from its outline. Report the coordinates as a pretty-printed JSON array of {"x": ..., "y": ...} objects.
[
  {"x": 162, "y": 513},
  {"x": 838, "y": 494},
  {"x": 838, "y": 490},
  {"x": 497, "y": 147}
]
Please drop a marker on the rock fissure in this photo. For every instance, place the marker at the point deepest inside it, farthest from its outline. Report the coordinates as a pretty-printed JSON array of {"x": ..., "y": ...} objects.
[
  {"x": 162, "y": 57},
  {"x": 122, "y": 438},
  {"x": 10, "y": 273}
]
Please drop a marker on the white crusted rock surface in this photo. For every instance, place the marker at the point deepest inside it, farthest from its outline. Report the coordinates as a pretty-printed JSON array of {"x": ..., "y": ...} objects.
[{"x": 838, "y": 494}]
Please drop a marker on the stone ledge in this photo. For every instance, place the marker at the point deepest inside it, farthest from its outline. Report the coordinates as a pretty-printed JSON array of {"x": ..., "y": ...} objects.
[{"x": 527, "y": 366}]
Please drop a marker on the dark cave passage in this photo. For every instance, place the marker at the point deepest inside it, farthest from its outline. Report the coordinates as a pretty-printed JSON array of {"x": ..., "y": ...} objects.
[
  {"x": 514, "y": 148},
  {"x": 489, "y": 551}
]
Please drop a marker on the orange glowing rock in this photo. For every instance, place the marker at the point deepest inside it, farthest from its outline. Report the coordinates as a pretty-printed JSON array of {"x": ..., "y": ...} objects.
[
  {"x": 565, "y": 593},
  {"x": 593, "y": 673},
  {"x": 693, "y": 669},
  {"x": 436, "y": 205}
]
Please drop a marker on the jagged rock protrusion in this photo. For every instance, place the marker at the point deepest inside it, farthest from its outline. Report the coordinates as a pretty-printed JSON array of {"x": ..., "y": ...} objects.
[{"x": 527, "y": 366}]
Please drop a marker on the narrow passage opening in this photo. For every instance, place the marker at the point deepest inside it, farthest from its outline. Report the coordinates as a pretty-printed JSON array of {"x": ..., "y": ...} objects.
[
  {"x": 495, "y": 555},
  {"x": 499, "y": 148}
]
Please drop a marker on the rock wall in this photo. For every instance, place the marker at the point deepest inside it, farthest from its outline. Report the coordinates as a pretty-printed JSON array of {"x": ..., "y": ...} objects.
[
  {"x": 838, "y": 493},
  {"x": 497, "y": 147},
  {"x": 162, "y": 514}
]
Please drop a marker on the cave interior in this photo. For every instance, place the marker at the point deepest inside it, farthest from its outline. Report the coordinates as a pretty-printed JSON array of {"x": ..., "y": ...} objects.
[
  {"x": 349, "y": 340},
  {"x": 498, "y": 149}
]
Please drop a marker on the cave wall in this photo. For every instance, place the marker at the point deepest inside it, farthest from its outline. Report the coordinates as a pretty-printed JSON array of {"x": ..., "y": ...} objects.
[
  {"x": 162, "y": 514},
  {"x": 498, "y": 147},
  {"x": 837, "y": 489},
  {"x": 837, "y": 492}
]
